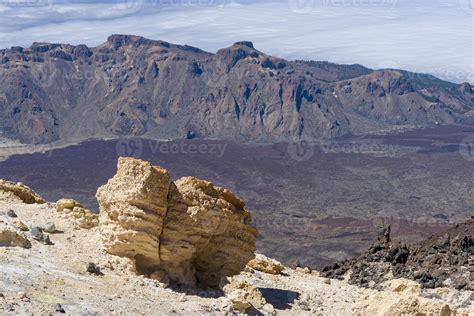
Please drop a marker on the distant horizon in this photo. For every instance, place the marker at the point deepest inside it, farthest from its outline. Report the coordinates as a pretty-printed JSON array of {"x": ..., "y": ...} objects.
[
  {"x": 256, "y": 47},
  {"x": 432, "y": 37}
]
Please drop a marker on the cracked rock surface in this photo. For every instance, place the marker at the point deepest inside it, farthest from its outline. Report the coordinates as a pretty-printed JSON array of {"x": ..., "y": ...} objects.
[{"x": 193, "y": 231}]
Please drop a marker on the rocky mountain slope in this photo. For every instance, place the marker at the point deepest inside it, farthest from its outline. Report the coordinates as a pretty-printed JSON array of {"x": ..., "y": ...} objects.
[
  {"x": 130, "y": 85},
  {"x": 56, "y": 258}
]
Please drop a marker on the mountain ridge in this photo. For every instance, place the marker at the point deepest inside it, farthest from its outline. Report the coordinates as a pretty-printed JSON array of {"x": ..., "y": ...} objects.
[{"x": 133, "y": 86}]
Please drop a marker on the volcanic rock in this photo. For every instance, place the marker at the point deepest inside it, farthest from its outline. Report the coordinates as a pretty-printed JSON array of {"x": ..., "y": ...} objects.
[
  {"x": 92, "y": 268},
  {"x": 444, "y": 260}
]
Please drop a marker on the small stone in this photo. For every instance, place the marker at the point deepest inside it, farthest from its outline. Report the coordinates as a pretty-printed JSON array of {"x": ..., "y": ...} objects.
[
  {"x": 59, "y": 309},
  {"x": 327, "y": 281},
  {"x": 37, "y": 233},
  {"x": 442, "y": 291},
  {"x": 49, "y": 227},
  {"x": 21, "y": 226},
  {"x": 8, "y": 308},
  {"x": 11, "y": 213},
  {"x": 22, "y": 295},
  {"x": 303, "y": 270},
  {"x": 2, "y": 295},
  {"x": 47, "y": 241},
  {"x": 296, "y": 264},
  {"x": 269, "y": 309},
  {"x": 93, "y": 269}
]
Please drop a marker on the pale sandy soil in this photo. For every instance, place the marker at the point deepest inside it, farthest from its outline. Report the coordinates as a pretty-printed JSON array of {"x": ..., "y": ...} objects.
[
  {"x": 34, "y": 280},
  {"x": 51, "y": 274}
]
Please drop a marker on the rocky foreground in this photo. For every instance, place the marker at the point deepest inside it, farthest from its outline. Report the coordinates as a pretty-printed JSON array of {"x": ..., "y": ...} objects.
[{"x": 184, "y": 247}]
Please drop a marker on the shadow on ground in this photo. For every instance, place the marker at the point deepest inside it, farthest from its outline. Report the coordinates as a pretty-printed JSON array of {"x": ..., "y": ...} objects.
[{"x": 280, "y": 299}]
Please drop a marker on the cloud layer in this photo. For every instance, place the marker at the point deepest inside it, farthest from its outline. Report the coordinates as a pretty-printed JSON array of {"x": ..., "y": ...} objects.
[{"x": 420, "y": 35}]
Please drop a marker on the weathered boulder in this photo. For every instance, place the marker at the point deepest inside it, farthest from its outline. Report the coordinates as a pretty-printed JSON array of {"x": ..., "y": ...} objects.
[
  {"x": 190, "y": 231},
  {"x": 402, "y": 297},
  {"x": 73, "y": 210},
  {"x": 21, "y": 191},
  {"x": 243, "y": 296},
  {"x": 207, "y": 233},
  {"x": 265, "y": 264},
  {"x": 133, "y": 205},
  {"x": 10, "y": 236}
]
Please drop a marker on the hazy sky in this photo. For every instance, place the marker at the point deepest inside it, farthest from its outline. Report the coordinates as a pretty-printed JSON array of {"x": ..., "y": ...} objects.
[{"x": 427, "y": 36}]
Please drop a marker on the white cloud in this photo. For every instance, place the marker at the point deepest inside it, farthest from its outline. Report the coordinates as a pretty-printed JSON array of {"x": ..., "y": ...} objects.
[{"x": 426, "y": 36}]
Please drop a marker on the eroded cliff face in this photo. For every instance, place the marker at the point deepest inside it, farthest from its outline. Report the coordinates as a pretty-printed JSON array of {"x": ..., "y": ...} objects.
[
  {"x": 188, "y": 231},
  {"x": 133, "y": 206},
  {"x": 133, "y": 86}
]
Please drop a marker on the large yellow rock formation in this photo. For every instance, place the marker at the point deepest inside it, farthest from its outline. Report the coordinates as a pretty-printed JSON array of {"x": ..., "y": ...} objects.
[{"x": 192, "y": 231}]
